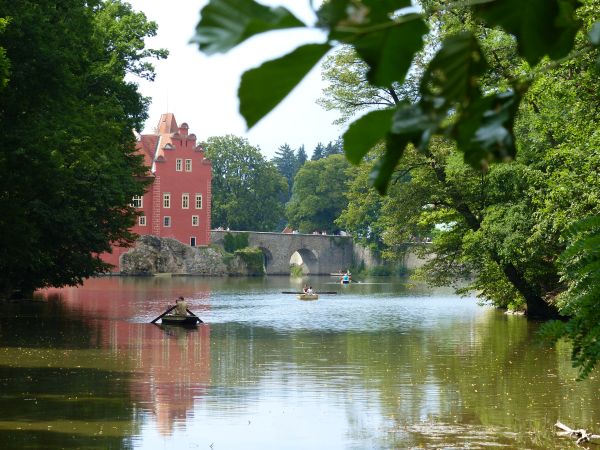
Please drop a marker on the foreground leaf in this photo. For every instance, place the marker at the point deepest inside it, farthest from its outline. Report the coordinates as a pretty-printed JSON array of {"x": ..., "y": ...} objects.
[
  {"x": 485, "y": 132},
  {"x": 262, "y": 89},
  {"x": 365, "y": 133},
  {"x": 451, "y": 76},
  {"x": 542, "y": 27},
  {"x": 226, "y": 23},
  {"x": 389, "y": 53}
]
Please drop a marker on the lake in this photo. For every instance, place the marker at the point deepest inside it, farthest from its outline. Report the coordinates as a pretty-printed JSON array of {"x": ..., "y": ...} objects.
[{"x": 384, "y": 364}]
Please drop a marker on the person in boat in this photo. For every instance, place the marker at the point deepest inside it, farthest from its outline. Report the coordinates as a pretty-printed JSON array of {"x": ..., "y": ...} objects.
[
  {"x": 345, "y": 279},
  {"x": 305, "y": 288},
  {"x": 181, "y": 307},
  {"x": 310, "y": 291}
]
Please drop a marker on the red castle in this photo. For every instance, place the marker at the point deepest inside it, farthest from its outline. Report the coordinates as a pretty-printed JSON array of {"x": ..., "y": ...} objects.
[{"x": 177, "y": 202}]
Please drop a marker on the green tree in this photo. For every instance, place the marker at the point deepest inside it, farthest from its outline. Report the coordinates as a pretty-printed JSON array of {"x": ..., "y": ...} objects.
[
  {"x": 68, "y": 168},
  {"x": 459, "y": 97},
  {"x": 318, "y": 195},
  {"x": 318, "y": 152},
  {"x": 246, "y": 189},
  {"x": 287, "y": 164},
  {"x": 301, "y": 157}
]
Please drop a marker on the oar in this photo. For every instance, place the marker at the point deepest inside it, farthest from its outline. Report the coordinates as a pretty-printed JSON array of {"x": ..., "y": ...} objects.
[
  {"x": 165, "y": 313},
  {"x": 316, "y": 292},
  {"x": 194, "y": 315}
]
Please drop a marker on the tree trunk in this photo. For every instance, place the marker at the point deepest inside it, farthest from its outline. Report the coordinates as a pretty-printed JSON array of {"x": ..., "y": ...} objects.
[{"x": 537, "y": 308}]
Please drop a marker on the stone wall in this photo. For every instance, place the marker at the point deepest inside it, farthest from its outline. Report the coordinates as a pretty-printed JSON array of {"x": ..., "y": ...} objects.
[
  {"x": 152, "y": 255},
  {"x": 365, "y": 256}
]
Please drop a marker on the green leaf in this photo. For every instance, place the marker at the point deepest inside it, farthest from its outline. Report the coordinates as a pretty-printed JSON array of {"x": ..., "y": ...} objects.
[
  {"x": 486, "y": 132},
  {"x": 594, "y": 34},
  {"x": 365, "y": 133},
  {"x": 389, "y": 52},
  {"x": 416, "y": 125},
  {"x": 348, "y": 12},
  {"x": 409, "y": 125},
  {"x": 226, "y": 23},
  {"x": 542, "y": 27},
  {"x": 452, "y": 73},
  {"x": 262, "y": 89},
  {"x": 384, "y": 168}
]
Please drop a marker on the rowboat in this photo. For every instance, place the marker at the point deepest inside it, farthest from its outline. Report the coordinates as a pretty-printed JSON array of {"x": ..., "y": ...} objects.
[
  {"x": 308, "y": 297},
  {"x": 172, "y": 319}
]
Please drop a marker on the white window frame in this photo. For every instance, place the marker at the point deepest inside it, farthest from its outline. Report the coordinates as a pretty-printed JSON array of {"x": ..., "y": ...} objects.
[
  {"x": 166, "y": 200},
  {"x": 198, "y": 201},
  {"x": 188, "y": 165},
  {"x": 185, "y": 201},
  {"x": 137, "y": 199},
  {"x": 195, "y": 221},
  {"x": 142, "y": 221},
  {"x": 179, "y": 165},
  {"x": 167, "y": 221}
]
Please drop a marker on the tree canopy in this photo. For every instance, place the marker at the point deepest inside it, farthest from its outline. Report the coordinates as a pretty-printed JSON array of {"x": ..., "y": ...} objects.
[
  {"x": 246, "y": 189},
  {"x": 318, "y": 196},
  {"x": 68, "y": 169},
  {"x": 462, "y": 86}
]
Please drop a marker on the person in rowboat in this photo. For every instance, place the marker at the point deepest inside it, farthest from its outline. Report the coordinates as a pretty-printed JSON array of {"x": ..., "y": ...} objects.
[
  {"x": 181, "y": 307},
  {"x": 310, "y": 291}
]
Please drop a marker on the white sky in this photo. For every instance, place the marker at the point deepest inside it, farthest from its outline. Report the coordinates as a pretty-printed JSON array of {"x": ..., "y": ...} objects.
[{"x": 202, "y": 91}]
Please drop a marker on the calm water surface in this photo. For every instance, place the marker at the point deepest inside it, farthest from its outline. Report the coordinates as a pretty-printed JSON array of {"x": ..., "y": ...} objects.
[{"x": 388, "y": 365}]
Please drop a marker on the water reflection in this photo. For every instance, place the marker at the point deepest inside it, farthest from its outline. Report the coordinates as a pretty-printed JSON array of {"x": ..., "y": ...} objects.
[{"x": 387, "y": 365}]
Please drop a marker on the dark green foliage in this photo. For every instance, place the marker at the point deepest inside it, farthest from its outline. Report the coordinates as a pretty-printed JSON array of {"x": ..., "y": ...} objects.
[
  {"x": 332, "y": 148},
  {"x": 580, "y": 264},
  {"x": 233, "y": 242},
  {"x": 247, "y": 190},
  {"x": 67, "y": 165},
  {"x": 254, "y": 259},
  {"x": 319, "y": 197},
  {"x": 287, "y": 164}
]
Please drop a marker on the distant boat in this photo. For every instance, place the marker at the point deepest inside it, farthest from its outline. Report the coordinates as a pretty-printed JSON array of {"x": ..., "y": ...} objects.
[
  {"x": 337, "y": 274},
  {"x": 308, "y": 297}
]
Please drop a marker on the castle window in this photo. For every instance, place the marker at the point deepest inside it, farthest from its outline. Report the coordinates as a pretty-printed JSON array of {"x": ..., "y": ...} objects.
[
  {"x": 166, "y": 200},
  {"x": 185, "y": 201},
  {"x": 198, "y": 201},
  {"x": 193, "y": 241},
  {"x": 195, "y": 221},
  {"x": 142, "y": 221},
  {"x": 137, "y": 201},
  {"x": 166, "y": 221},
  {"x": 178, "y": 164},
  {"x": 188, "y": 165}
]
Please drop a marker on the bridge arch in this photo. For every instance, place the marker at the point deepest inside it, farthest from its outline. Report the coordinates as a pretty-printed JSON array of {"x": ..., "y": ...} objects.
[
  {"x": 309, "y": 260},
  {"x": 267, "y": 258}
]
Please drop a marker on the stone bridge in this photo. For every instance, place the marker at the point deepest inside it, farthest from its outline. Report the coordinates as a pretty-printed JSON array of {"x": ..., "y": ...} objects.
[{"x": 321, "y": 254}]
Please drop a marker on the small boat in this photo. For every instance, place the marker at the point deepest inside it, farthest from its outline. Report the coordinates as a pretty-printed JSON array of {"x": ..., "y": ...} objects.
[
  {"x": 308, "y": 297},
  {"x": 173, "y": 319}
]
